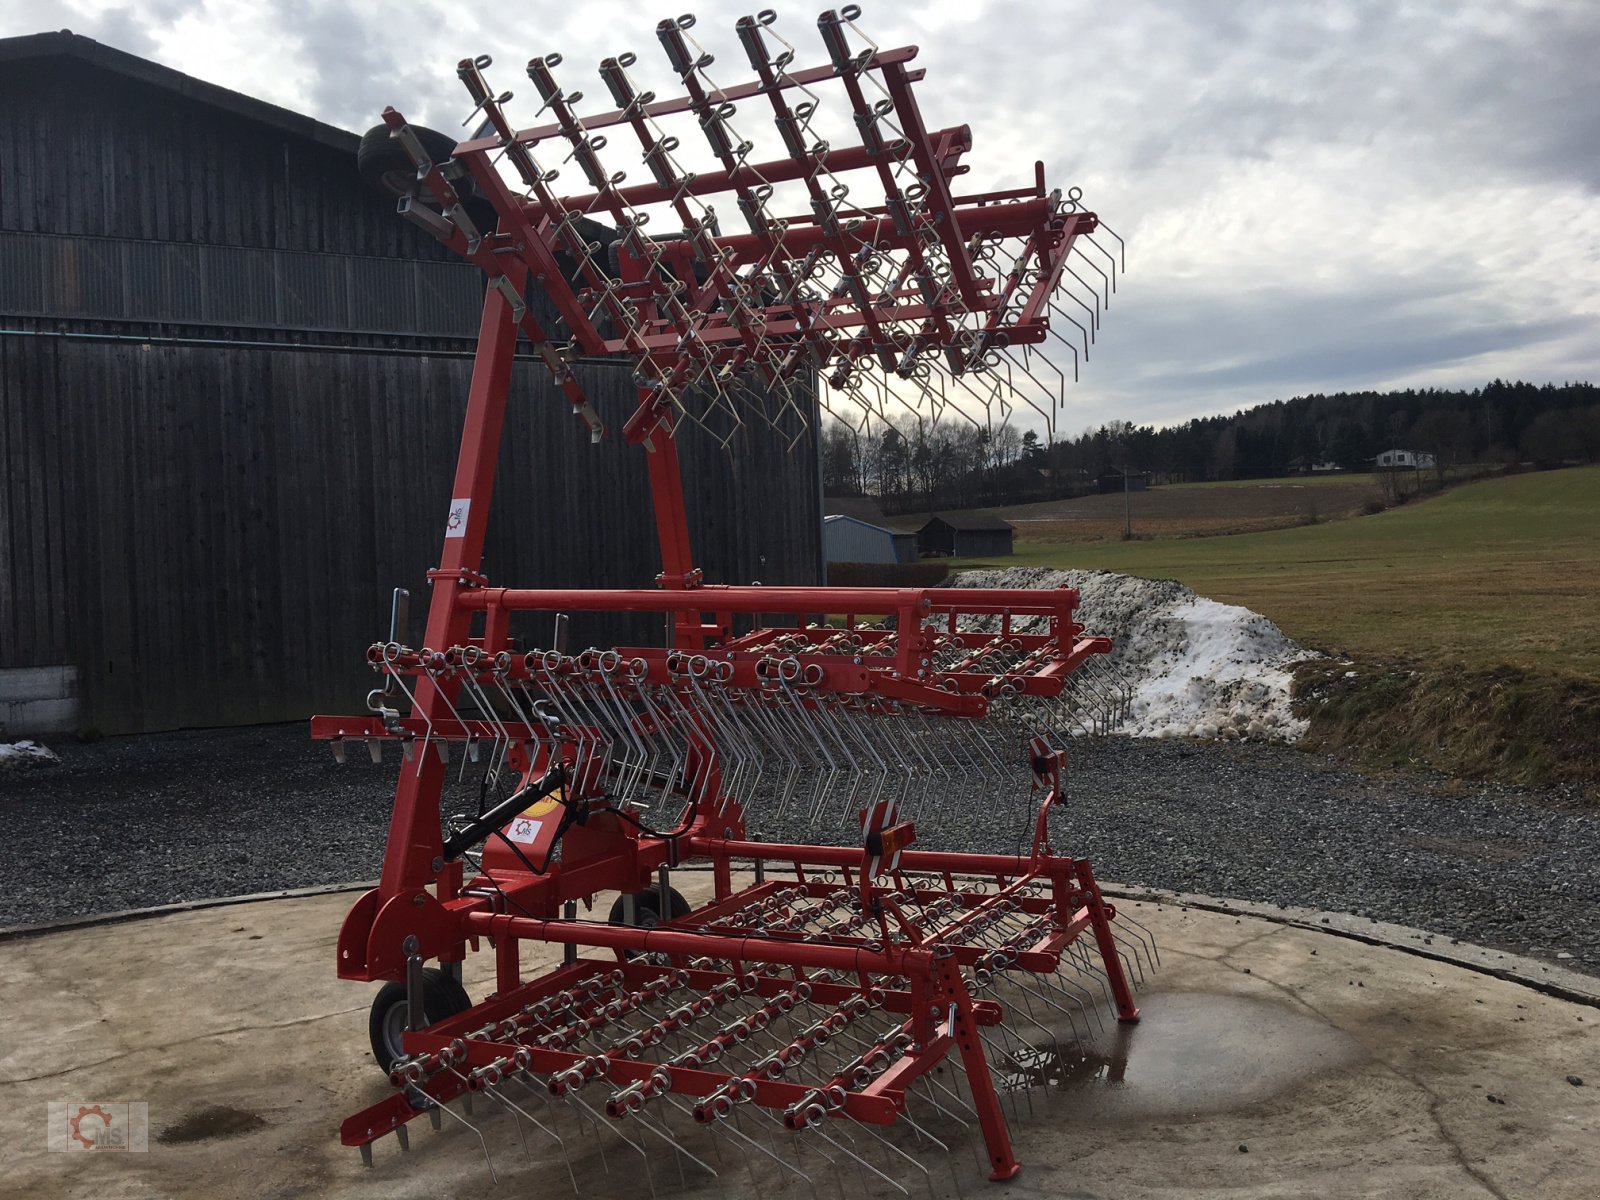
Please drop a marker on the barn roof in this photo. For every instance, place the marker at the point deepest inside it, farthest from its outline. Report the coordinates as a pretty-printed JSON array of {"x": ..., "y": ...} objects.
[
  {"x": 973, "y": 522},
  {"x": 67, "y": 44}
]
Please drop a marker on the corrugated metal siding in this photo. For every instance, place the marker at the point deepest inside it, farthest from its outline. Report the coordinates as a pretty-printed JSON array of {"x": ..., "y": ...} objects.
[
  {"x": 845, "y": 539},
  {"x": 210, "y": 535}
]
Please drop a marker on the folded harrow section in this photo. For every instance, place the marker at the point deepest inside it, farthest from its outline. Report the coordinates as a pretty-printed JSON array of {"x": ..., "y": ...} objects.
[{"x": 794, "y": 1004}]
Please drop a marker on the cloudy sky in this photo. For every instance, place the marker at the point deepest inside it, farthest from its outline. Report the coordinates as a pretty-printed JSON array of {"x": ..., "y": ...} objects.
[{"x": 1315, "y": 196}]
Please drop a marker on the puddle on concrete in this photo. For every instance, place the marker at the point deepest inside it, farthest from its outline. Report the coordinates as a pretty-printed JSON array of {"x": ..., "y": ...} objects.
[
  {"x": 1192, "y": 1053},
  {"x": 215, "y": 1121}
]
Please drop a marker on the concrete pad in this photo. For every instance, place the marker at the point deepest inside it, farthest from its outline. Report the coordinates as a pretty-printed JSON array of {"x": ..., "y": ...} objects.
[{"x": 1273, "y": 1061}]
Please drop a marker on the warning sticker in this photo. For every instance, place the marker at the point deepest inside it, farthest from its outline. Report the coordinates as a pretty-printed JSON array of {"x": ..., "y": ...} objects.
[
  {"x": 456, "y": 526},
  {"x": 525, "y": 830}
]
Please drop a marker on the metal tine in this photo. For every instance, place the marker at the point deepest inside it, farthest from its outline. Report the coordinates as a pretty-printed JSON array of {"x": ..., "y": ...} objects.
[
  {"x": 543, "y": 1094},
  {"x": 815, "y": 1128},
  {"x": 1042, "y": 983},
  {"x": 659, "y": 726},
  {"x": 507, "y": 1104},
  {"x": 787, "y": 705},
  {"x": 503, "y": 735},
  {"x": 521, "y": 1112},
  {"x": 436, "y": 1106},
  {"x": 971, "y": 1143},
  {"x": 954, "y": 1096},
  {"x": 1083, "y": 966},
  {"x": 863, "y": 1126},
  {"x": 650, "y": 1125},
  {"x": 1086, "y": 966},
  {"x": 994, "y": 1054},
  {"x": 765, "y": 714},
  {"x": 1131, "y": 968},
  {"x": 1141, "y": 934},
  {"x": 575, "y": 1098},
  {"x": 624, "y": 714}
]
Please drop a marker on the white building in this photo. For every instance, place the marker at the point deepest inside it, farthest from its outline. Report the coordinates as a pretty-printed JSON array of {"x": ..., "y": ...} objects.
[{"x": 1405, "y": 460}]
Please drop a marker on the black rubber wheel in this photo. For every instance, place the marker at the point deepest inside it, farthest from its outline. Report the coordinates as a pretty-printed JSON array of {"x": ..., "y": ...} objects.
[
  {"x": 442, "y": 997},
  {"x": 647, "y": 911},
  {"x": 383, "y": 162}
]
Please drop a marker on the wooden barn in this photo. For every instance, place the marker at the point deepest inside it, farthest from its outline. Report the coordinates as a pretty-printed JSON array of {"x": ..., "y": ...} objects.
[
  {"x": 965, "y": 535},
  {"x": 231, "y": 385}
]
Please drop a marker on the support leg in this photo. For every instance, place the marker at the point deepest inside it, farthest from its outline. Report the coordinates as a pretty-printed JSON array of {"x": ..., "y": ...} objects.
[
  {"x": 952, "y": 991},
  {"x": 1100, "y": 914}
]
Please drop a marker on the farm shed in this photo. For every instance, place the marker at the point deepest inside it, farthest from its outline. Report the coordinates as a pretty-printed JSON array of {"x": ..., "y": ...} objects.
[
  {"x": 1117, "y": 481},
  {"x": 231, "y": 388},
  {"x": 846, "y": 539},
  {"x": 965, "y": 535}
]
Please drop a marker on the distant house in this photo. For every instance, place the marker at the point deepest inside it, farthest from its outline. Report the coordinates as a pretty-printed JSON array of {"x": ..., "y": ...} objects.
[
  {"x": 965, "y": 535},
  {"x": 847, "y": 539},
  {"x": 1396, "y": 460}
]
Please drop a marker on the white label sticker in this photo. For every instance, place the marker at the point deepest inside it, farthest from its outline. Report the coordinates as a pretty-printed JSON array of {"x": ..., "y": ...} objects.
[
  {"x": 456, "y": 526},
  {"x": 525, "y": 830}
]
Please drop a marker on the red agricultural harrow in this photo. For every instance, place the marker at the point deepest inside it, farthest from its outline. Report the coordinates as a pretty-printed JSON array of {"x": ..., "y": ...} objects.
[{"x": 854, "y": 998}]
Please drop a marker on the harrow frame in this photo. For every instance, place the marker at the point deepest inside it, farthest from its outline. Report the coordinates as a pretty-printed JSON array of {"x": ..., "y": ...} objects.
[{"x": 906, "y": 944}]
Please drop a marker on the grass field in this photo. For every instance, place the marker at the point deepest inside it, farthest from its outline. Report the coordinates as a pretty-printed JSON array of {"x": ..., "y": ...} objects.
[
  {"x": 1506, "y": 571},
  {"x": 1472, "y": 618}
]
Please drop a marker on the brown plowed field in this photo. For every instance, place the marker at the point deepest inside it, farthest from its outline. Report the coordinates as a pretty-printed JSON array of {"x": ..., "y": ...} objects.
[{"x": 1193, "y": 510}]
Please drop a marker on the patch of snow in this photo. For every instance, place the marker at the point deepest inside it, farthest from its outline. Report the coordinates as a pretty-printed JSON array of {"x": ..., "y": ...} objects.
[
  {"x": 19, "y": 756},
  {"x": 1195, "y": 667}
]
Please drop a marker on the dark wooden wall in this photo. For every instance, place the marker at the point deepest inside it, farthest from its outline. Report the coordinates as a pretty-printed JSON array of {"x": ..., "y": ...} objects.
[
  {"x": 206, "y": 519},
  {"x": 87, "y": 151},
  {"x": 211, "y": 534}
]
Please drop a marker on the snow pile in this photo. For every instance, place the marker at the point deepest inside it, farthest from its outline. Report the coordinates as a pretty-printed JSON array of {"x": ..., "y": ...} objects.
[
  {"x": 19, "y": 756},
  {"x": 1196, "y": 668}
]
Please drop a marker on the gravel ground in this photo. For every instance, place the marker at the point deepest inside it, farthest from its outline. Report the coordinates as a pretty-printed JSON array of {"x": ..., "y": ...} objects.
[{"x": 128, "y": 822}]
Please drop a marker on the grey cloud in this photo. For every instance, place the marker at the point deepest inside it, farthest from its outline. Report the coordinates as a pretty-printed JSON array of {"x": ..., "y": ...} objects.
[{"x": 1156, "y": 105}]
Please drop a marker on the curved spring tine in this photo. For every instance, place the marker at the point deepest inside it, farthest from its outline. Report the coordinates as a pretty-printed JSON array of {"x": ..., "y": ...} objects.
[
  {"x": 649, "y": 1126},
  {"x": 1140, "y": 934},
  {"x": 815, "y": 1127},
  {"x": 436, "y": 1106},
  {"x": 575, "y": 1098},
  {"x": 729, "y": 1129},
  {"x": 550, "y": 1129}
]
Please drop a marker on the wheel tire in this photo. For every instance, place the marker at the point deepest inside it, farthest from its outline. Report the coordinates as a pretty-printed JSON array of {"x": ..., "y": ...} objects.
[
  {"x": 647, "y": 912},
  {"x": 442, "y": 997},
  {"x": 383, "y": 162}
]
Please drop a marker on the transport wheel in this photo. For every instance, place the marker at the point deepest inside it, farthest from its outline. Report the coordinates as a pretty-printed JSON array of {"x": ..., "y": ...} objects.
[
  {"x": 442, "y": 997},
  {"x": 383, "y": 162},
  {"x": 647, "y": 912}
]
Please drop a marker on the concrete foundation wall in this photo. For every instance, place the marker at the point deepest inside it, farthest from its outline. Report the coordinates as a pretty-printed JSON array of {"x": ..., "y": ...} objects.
[{"x": 38, "y": 700}]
